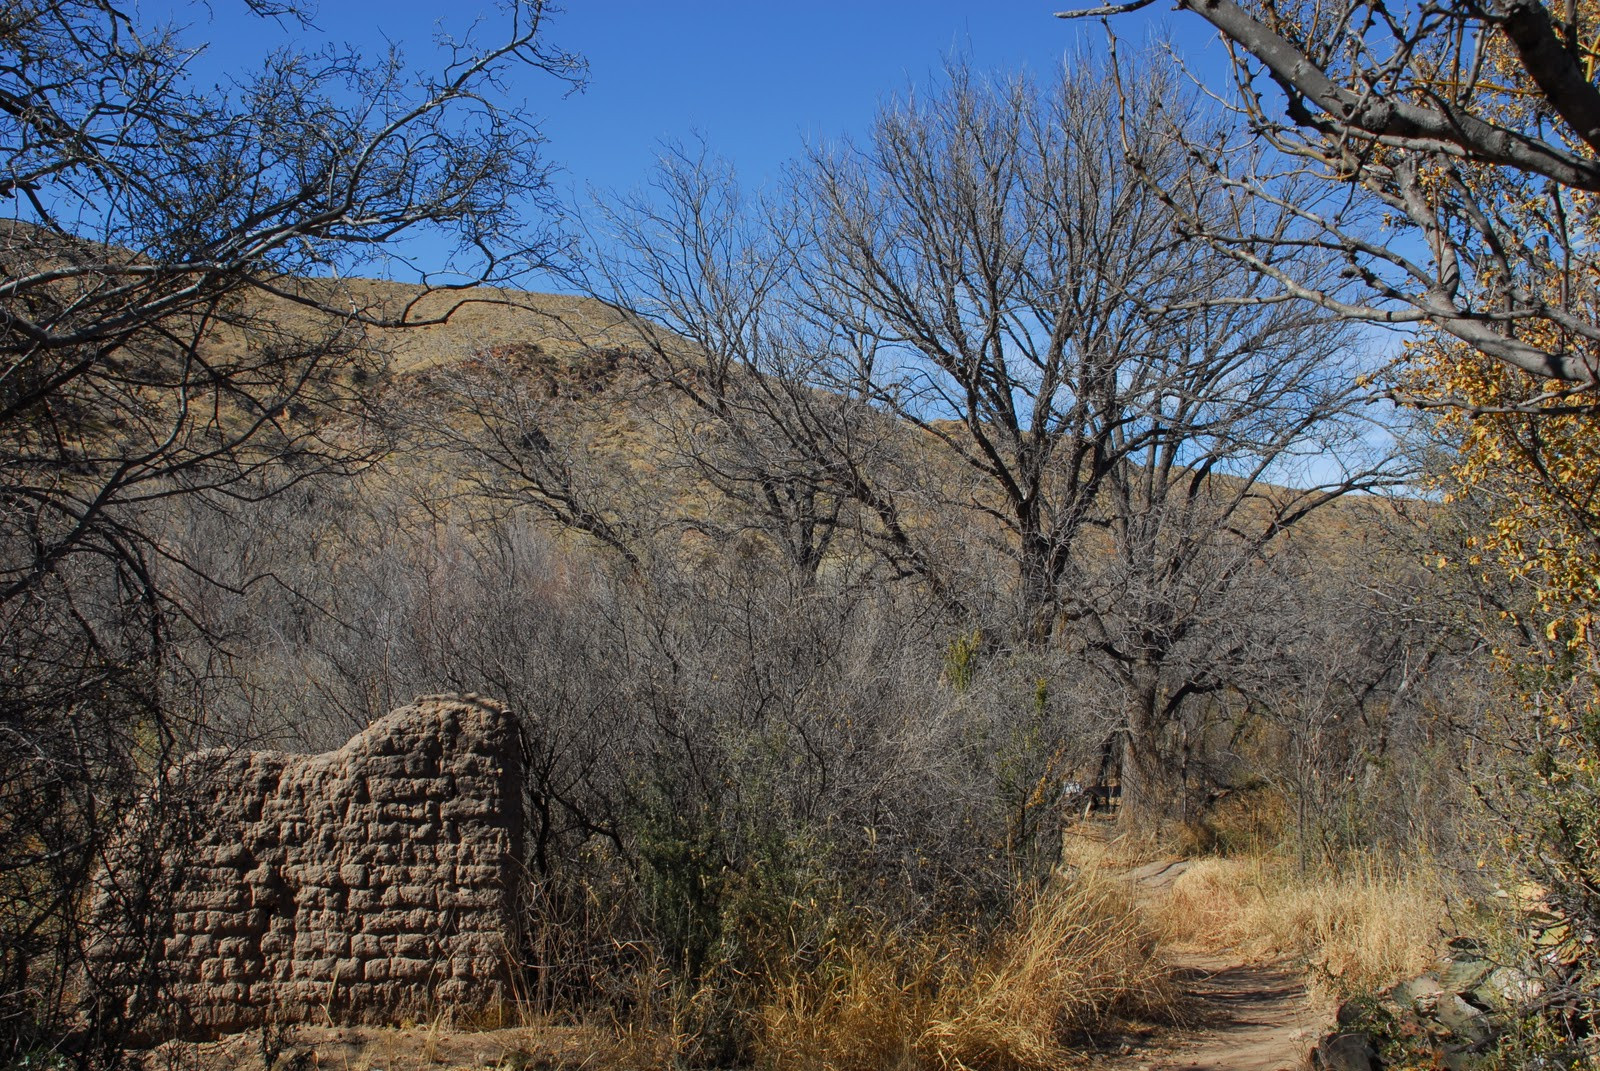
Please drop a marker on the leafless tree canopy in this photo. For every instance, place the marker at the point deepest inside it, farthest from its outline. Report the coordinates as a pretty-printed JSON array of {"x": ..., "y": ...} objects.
[
  {"x": 891, "y": 505},
  {"x": 1444, "y": 151}
]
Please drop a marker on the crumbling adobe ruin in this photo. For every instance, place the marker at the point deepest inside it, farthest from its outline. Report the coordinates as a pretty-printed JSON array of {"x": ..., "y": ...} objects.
[{"x": 362, "y": 885}]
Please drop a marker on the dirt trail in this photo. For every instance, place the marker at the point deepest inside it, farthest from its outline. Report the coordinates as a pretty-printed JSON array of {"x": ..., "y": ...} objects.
[{"x": 1244, "y": 1016}]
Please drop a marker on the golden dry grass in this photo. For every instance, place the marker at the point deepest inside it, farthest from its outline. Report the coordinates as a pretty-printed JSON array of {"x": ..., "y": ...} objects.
[
  {"x": 1357, "y": 930},
  {"x": 861, "y": 1010},
  {"x": 1077, "y": 957},
  {"x": 1099, "y": 846},
  {"x": 1080, "y": 956}
]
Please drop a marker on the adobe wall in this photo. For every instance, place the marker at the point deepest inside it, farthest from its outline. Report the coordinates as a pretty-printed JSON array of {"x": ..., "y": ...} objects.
[{"x": 366, "y": 884}]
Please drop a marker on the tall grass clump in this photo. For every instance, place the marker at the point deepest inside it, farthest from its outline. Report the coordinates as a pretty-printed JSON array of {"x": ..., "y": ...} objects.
[
  {"x": 1078, "y": 957},
  {"x": 862, "y": 1006},
  {"x": 1073, "y": 958},
  {"x": 1357, "y": 929}
]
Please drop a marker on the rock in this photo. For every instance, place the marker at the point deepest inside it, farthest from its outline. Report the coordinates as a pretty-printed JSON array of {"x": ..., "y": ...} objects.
[
  {"x": 1420, "y": 994},
  {"x": 1463, "y": 1020},
  {"x": 1344, "y": 1052},
  {"x": 1437, "y": 1019},
  {"x": 1507, "y": 986},
  {"x": 1463, "y": 975}
]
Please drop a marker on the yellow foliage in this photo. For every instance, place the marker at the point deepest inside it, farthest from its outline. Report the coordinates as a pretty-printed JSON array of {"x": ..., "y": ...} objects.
[
  {"x": 1533, "y": 456},
  {"x": 1528, "y": 453}
]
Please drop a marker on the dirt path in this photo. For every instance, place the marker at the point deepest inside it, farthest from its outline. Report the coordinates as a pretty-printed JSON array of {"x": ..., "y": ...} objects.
[{"x": 1244, "y": 1016}]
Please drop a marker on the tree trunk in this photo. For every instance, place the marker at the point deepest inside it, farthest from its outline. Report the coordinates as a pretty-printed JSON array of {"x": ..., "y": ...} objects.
[
  {"x": 1147, "y": 787},
  {"x": 1039, "y": 598}
]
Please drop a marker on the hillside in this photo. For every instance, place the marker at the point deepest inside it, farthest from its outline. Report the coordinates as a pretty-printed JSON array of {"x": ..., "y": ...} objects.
[
  {"x": 449, "y": 327},
  {"x": 627, "y": 461},
  {"x": 474, "y": 320}
]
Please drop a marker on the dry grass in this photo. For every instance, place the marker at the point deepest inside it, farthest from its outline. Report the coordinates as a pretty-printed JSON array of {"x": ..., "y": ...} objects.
[
  {"x": 1357, "y": 930},
  {"x": 1077, "y": 957},
  {"x": 1249, "y": 821},
  {"x": 862, "y": 1009},
  {"x": 1080, "y": 957},
  {"x": 1099, "y": 846},
  {"x": 547, "y": 1046}
]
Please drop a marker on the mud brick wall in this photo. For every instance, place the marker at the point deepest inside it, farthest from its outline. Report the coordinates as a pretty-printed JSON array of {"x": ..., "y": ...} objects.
[{"x": 368, "y": 884}]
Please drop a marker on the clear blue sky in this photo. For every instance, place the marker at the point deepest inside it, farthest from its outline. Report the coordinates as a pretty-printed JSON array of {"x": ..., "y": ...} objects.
[
  {"x": 757, "y": 79},
  {"x": 760, "y": 79}
]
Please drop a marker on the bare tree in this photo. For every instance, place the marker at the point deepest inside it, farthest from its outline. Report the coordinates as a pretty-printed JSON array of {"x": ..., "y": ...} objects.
[
  {"x": 1443, "y": 151},
  {"x": 519, "y": 430},
  {"x": 159, "y": 337},
  {"x": 1032, "y": 308},
  {"x": 983, "y": 322}
]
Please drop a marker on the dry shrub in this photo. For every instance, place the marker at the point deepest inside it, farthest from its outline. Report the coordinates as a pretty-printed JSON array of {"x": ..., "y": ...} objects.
[
  {"x": 1241, "y": 822},
  {"x": 1359, "y": 929},
  {"x": 674, "y": 1022},
  {"x": 1078, "y": 957}
]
